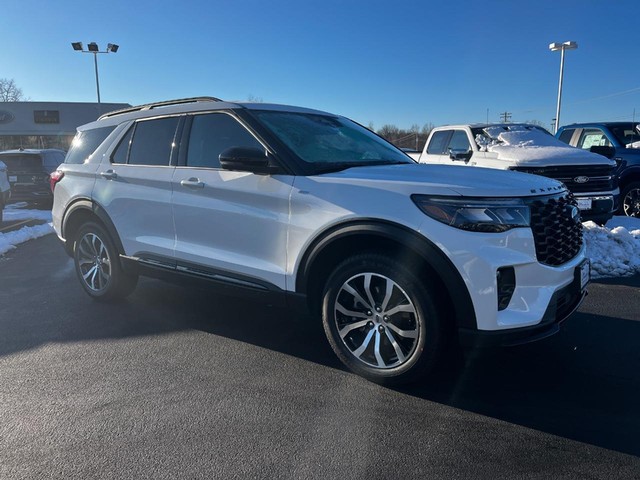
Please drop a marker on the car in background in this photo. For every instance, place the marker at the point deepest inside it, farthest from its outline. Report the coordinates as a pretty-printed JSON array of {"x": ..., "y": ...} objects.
[
  {"x": 28, "y": 173},
  {"x": 530, "y": 149},
  {"x": 5, "y": 188},
  {"x": 619, "y": 141}
]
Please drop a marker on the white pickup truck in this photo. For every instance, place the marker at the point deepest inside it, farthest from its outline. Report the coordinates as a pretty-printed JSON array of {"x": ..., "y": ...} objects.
[{"x": 530, "y": 149}]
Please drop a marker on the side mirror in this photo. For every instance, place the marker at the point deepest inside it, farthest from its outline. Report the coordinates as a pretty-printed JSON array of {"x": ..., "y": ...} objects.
[
  {"x": 606, "y": 151},
  {"x": 247, "y": 159},
  {"x": 460, "y": 155}
]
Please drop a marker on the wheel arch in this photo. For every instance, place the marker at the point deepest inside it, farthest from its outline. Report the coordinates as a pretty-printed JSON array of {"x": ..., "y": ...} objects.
[
  {"x": 81, "y": 211},
  {"x": 630, "y": 175},
  {"x": 404, "y": 245}
]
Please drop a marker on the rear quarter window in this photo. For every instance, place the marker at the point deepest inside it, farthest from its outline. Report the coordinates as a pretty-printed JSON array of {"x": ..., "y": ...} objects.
[
  {"x": 566, "y": 135},
  {"x": 85, "y": 143}
]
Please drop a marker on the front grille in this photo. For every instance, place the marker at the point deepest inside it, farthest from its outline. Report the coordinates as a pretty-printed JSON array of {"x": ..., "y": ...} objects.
[
  {"x": 556, "y": 226},
  {"x": 601, "y": 178}
]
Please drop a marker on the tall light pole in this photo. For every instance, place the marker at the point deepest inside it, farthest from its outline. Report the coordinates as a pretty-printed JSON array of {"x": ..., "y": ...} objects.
[
  {"x": 93, "y": 48},
  {"x": 562, "y": 47}
]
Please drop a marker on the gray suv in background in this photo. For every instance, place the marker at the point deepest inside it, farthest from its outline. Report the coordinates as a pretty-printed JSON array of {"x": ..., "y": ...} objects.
[{"x": 28, "y": 172}]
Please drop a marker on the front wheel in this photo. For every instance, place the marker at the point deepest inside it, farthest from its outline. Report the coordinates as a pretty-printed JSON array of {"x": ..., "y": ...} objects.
[
  {"x": 630, "y": 204},
  {"x": 381, "y": 320},
  {"x": 98, "y": 266}
]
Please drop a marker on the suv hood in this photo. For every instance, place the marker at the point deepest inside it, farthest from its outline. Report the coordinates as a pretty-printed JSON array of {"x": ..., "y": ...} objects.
[
  {"x": 447, "y": 180},
  {"x": 531, "y": 148}
]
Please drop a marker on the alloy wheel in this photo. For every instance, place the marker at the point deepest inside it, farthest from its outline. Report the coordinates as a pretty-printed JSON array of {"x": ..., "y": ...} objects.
[
  {"x": 94, "y": 262},
  {"x": 377, "y": 321},
  {"x": 631, "y": 203}
]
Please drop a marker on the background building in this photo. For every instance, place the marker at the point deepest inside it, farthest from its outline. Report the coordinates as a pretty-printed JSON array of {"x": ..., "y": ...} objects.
[{"x": 46, "y": 124}]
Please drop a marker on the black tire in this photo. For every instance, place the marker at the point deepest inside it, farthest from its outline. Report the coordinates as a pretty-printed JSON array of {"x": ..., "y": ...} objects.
[
  {"x": 1, "y": 212},
  {"x": 98, "y": 265},
  {"x": 377, "y": 343},
  {"x": 630, "y": 200}
]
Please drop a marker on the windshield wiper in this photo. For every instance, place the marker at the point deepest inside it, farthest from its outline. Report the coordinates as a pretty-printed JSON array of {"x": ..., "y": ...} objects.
[{"x": 327, "y": 167}]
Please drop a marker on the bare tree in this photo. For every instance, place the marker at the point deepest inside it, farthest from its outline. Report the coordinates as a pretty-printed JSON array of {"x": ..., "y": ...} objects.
[
  {"x": 414, "y": 138},
  {"x": 9, "y": 91}
]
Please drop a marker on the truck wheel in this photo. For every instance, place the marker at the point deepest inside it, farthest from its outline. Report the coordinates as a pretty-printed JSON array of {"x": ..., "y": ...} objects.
[
  {"x": 381, "y": 320},
  {"x": 98, "y": 266},
  {"x": 630, "y": 204}
]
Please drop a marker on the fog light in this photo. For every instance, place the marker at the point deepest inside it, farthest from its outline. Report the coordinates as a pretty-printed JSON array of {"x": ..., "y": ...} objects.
[{"x": 506, "y": 281}]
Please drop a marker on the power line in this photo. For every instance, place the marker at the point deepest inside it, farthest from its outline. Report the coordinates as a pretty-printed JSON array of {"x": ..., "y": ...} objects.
[{"x": 506, "y": 116}]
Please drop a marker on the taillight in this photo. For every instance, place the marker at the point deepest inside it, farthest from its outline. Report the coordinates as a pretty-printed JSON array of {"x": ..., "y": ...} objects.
[{"x": 54, "y": 178}]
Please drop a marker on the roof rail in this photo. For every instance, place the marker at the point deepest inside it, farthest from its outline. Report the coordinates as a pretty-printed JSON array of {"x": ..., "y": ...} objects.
[{"x": 149, "y": 106}]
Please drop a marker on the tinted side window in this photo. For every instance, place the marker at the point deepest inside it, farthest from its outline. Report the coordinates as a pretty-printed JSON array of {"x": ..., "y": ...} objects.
[
  {"x": 211, "y": 134},
  {"x": 592, "y": 137},
  {"x": 153, "y": 141},
  {"x": 122, "y": 150},
  {"x": 438, "y": 142},
  {"x": 566, "y": 135},
  {"x": 85, "y": 143},
  {"x": 459, "y": 141}
]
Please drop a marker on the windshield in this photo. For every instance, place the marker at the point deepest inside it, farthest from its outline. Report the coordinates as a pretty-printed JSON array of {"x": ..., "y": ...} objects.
[
  {"x": 328, "y": 142},
  {"x": 626, "y": 135}
]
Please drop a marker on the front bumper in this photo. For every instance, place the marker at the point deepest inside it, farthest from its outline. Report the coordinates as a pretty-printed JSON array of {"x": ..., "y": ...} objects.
[
  {"x": 598, "y": 208},
  {"x": 563, "y": 303}
]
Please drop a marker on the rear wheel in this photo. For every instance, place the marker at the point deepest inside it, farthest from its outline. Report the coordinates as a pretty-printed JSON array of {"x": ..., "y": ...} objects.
[
  {"x": 98, "y": 266},
  {"x": 381, "y": 320},
  {"x": 630, "y": 203}
]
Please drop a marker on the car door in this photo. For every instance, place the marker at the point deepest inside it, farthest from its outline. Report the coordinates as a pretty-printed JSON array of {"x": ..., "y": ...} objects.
[
  {"x": 436, "y": 151},
  {"x": 134, "y": 187},
  {"x": 230, "y": 225}
]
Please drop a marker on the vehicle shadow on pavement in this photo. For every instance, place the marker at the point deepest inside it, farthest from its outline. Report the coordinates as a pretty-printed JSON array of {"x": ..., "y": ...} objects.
[{"x": 583, "y": 384}]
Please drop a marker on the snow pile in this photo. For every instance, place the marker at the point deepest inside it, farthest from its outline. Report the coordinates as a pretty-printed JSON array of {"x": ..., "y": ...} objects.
[
  {"x": 9, "y": 240},
  {"x": 524, "y": 145},
  {"x": 13, "y": 212},
  {"x": 614, "y": 249}
]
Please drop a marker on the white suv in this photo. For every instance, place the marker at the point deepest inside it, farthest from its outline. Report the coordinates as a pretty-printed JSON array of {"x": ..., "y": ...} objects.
[{"x": 315, "y": 211}]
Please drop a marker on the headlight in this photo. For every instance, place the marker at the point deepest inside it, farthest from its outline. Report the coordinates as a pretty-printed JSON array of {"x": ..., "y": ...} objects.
[{"x": 476, "y": 214}]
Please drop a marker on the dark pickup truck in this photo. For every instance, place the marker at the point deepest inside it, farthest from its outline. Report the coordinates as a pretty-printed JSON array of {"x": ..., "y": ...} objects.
[{"x": 619, "y": 141}]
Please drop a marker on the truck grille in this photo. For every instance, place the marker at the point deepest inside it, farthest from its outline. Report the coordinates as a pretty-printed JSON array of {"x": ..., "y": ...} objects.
[
  {"x": 578, "y": 178},
  {"x": 556, "y": 227}
]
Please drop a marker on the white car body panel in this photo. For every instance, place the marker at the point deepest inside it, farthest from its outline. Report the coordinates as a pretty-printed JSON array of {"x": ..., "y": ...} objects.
[{"x": 256, "y": 205}]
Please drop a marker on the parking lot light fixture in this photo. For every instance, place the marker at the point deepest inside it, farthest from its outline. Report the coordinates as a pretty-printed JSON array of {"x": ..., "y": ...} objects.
[
  {"x": 95, "y": 50},
  {"x": 554, "y": 47}
]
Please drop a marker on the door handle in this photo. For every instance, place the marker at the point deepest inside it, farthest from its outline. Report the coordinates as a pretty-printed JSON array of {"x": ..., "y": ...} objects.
[
  {"x": 192, "y": 183},
  {"x": 109, "y": 174}
]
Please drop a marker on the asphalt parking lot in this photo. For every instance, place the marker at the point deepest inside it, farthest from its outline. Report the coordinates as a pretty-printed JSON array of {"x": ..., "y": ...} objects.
[{"x": 180, "y": 383}]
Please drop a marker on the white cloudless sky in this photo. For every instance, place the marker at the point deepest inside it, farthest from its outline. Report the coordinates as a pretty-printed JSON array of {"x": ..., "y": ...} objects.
[{"x": 379, "y": 62}]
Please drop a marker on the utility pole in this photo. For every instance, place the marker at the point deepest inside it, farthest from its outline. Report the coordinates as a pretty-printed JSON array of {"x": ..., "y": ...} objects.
[{"x": 506, "y": 116}]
